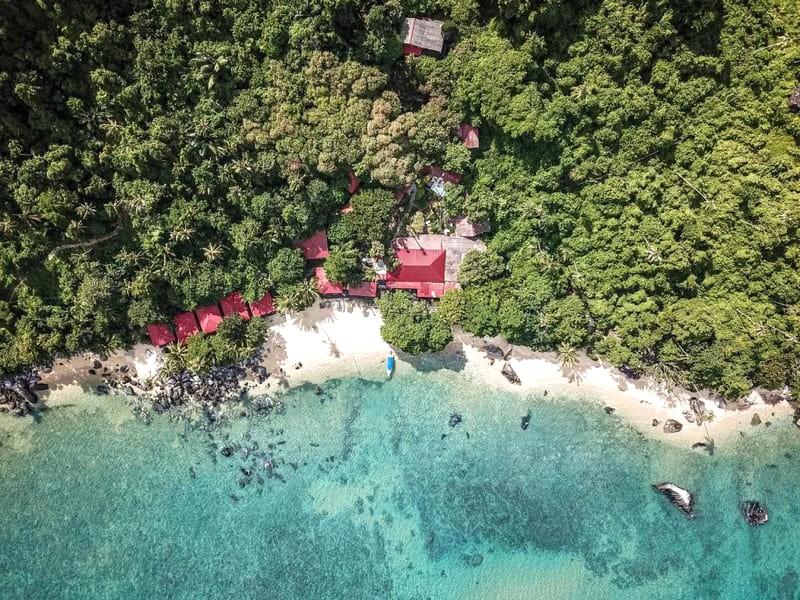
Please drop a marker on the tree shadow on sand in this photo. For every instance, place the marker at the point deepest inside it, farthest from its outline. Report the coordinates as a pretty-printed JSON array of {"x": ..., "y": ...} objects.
[{"x": 452, "y": 358}]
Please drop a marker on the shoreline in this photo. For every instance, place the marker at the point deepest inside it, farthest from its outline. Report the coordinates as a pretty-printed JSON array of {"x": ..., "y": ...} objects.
[{"x": 341, "y": 338}]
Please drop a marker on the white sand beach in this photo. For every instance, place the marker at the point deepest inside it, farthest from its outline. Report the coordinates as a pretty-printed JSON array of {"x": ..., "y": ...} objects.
[
  {"x": 340, "y": 338},
  {"x": 343, "y": 339}
]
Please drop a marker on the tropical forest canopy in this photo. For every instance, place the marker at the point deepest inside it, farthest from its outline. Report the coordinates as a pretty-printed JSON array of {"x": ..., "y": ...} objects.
[{"x": 638, "y": 165}]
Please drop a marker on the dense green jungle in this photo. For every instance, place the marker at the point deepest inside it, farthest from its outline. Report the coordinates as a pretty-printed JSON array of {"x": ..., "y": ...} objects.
[{"x": 638, "y": 165}]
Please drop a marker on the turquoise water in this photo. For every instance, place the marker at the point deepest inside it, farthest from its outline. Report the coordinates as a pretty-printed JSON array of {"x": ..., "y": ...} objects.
[{"x": 368, "y": 500}]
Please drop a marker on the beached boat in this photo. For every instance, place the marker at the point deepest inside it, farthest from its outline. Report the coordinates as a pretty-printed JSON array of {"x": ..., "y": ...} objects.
[{"x": 390, "y": 364}]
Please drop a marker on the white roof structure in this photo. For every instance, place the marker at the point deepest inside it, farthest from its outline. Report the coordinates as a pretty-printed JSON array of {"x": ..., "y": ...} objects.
[{"x": 423, "y": 33}]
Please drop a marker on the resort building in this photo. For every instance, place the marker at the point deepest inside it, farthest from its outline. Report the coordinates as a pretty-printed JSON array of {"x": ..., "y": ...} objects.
[
  {"x": 209, "y": 318},
  {"x": 160, "y": 335},
  {"x": 315, "y": 246},
  {"x": 469, "y": 135},
  {"x": 186, "y": 325},
  {"x": 234, "y": 305},
  {"x": 422, "y": 36}
]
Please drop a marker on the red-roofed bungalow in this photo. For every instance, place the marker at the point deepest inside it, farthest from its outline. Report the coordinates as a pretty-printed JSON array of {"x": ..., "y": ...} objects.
[
  {"x": 325, "y": 287},
  {"x": 210, "y": 317},
  {"x": 469, "y": 135},
  {"x": 234, "y": 305},
  {"x": 447, "y": 176},
  {"x": 160, "y": 335},
  {"x": 366, "y": 289},
  {"x": 347, "y": 208},
  {"x": 315, "y": 246},
  {"x": 354, "y": 181},
  {"x": 263, "y": 307},
  {"x": 185, "y": 326},
  {"x": 419, "y": 265}
]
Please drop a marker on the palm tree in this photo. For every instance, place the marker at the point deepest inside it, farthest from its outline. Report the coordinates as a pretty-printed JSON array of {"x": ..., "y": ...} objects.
[
  {"x": 307, "y": 292},
  {"x": 174, "y": 360},
  {"x": 567, "y": 356},
  {"x": 213, "y": 252}
]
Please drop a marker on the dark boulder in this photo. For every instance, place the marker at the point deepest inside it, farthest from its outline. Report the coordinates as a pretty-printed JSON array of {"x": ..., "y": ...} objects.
[
  {"x": 754, "y": 513},
  {"x": 455, "y": 419},
  {"x": 493, "y": 351},
  {"x": 510, "y": 374},
  {"x": 756, "y": 420},
  {"x": 655, "y": 422},
  {"x": 608, "y": 409},
  {"x": 672, "y": 426}
]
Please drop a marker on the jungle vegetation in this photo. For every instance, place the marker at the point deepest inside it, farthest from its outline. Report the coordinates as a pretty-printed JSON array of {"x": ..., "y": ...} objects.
[{"x": 638, "y": 164}]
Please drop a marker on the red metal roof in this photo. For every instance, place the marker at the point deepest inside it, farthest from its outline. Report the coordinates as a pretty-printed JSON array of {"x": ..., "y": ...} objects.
[
  {"x": 469, "y": 135},
  {"x": 315, "y": 246},
  {"x": 412, "y": 49},
  {"x": 325, "y": 287},
  {"x": 185, "y": 325},
  {"x": 430, "y": 290},
  {"x": 419, "y": 265},
  {"x": 354, "y": 181},
  {"x": 347, "y": 208},
  {"x": 447, "y": 176},
  {"x": 234, "y": 305},
  {"x": 366, "y": 289},
  {"x": 160, "y": 335},
  {"x": 263, "y": 307},
  {"x": 210, "y": 317}
]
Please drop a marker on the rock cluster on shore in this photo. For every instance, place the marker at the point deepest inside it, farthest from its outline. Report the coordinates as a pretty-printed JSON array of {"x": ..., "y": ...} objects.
[{"x": 18, "y": 393}]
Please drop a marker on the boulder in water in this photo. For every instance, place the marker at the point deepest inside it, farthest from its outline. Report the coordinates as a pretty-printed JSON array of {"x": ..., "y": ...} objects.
[
  {"x": 473, "y": 560},
  {"x": 754, "y": 513},
  {"x": 679, "y": 496},
  {"x": 756, "y": 420},
  {"x": 455, "y": 419},
  {"x": 526, "y": 420}
]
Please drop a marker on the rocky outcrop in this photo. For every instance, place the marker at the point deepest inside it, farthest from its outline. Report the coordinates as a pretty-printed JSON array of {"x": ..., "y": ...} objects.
[
  {"x": 17, "y": 394},
  {"x": 672, "y": 426},
  {"x": 756, "y": 420},
  {"x": 526, "y": 420}
]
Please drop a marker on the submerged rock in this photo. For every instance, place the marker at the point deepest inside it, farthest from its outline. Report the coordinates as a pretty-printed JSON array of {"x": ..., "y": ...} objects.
[
  {"x": 754, "y": 513},
  {"x": 672, "y": 426},
  {"x": 455, "y": 419},
  {"x": 473, "y": 560},
  {"x": 608, "y": 409},
  {"x": 756, "y": 420},
  {"x": 526, "y": 420}
]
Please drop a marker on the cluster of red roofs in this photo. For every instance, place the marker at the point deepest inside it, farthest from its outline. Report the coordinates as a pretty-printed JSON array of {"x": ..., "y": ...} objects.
[
  {"x": 419, "y": 270},
  {"x": 208, "y": 318}
]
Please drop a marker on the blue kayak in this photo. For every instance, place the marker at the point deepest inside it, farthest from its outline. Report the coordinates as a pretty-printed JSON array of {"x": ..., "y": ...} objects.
[{"x": 389, "y": 365}]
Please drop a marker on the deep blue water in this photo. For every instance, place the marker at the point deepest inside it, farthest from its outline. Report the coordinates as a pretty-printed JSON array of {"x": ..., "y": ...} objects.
[{"x": 373, "y": 495}]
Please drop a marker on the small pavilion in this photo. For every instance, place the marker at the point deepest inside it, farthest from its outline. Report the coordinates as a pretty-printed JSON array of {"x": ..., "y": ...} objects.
[
  {"x": 186, "y": 325},
  {"x": 262, "y": 307},
  {"x": 209, "y": 318},
  {"x": 160, "y": 335},
  {"x": 234, "y": 305}
]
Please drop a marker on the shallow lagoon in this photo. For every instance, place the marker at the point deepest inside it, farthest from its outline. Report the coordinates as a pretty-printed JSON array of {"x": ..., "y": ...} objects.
[{"x": 373, "y": 495}]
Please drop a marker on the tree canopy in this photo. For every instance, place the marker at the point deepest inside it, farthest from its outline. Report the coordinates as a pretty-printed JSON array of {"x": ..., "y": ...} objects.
[{"x": 638, "y": 164}]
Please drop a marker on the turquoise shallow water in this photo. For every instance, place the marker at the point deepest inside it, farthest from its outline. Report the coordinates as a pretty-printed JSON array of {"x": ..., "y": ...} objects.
[{"x": 369, "y": 500}]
